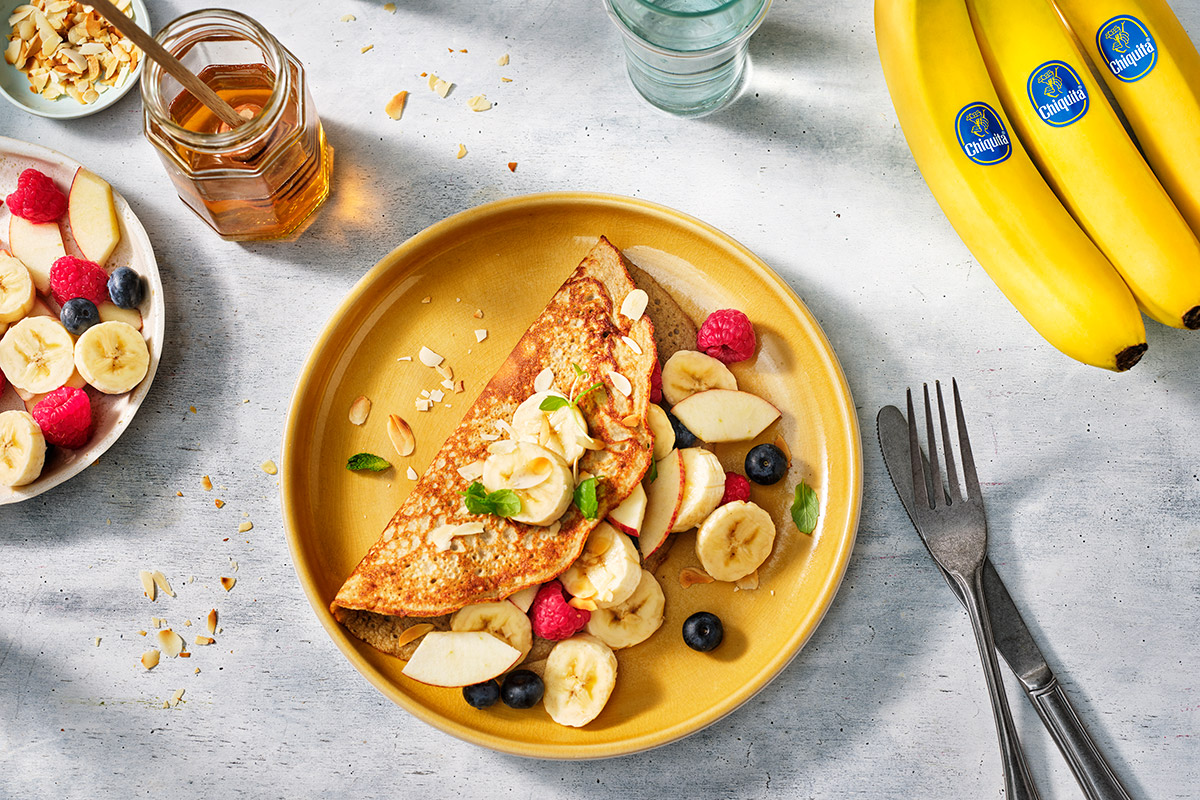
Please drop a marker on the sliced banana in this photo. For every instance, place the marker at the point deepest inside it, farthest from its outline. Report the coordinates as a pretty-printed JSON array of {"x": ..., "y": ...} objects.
[
  {"x": 16, "y": 289},
  {"x": 735, "y": 540},
  {"x": 633, "y": 621},
  {"x": 580, "y": 675},
  {"x": 607, "y": 571},
  {"x": 690, "y": 371},
  {"x": 660, "y": 427},
  {"x": 703, "y": 487},
  {"x": 537, "y": 475},
  {"x": 22, "y": 449},
  {"x": 502, "y": 619},
  {"x": 36, "y": 354},
  {"x": 563, "y": 430},
  {"x": 112, "y": 357}
]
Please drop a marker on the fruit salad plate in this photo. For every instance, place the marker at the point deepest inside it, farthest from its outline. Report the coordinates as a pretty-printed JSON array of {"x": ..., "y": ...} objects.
[
  {"x": 467, "y": 288},
  {"x": 111, "y": 414}
]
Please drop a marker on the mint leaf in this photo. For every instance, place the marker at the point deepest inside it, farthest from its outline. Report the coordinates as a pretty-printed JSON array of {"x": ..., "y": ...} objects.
[
  {"x": 501, "y": 503},
  {"x": 553, "y": 403},
  {"x": 585, "y": 498},
  {"x": 578, "y": 369},
  {"x": 360, "y": 461},
  {"x": 804, "y": 508},
  {"x": 653, "y": 471},
  {"x": 586, "y": 392}
]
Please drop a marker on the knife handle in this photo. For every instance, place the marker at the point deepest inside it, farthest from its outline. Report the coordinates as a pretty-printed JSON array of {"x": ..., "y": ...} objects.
[{"x": 1094, "y": 774}]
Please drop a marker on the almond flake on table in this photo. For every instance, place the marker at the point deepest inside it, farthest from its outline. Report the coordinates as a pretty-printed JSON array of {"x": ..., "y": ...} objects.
[
  {"x": 506, "y": 80},
  {"x": 412, "y": 474},
  {"x": 269, "y": 467},
  {"x": 395, "y": 106},
  {"x": 206, "y": 483},
  {"x": 245, "y": 525},
  {"x": 366, "y": 48},
  {"x": 148, "y": 588},
  {"x": 430, "y": 358},
  {"x": 439, "y": 86},
  {"x": 219, "y": 503},
  {"x": 478, "y": 103},
  {"x": 150, "y": 659},
  {"x": 389, "y": 7},
  {"x": 347, "y": 18},
  {"x": 512, "y": 166},
  {"x": 227, "y": 583},
  {"x": 203, "y": 641},
  {"x": 480, "y": 334},
  {"x": 360, "y": 409},
  {"x": 170, "y": 642},
  {"x": 462, "y": 151},
  {"x": 502, "y": 61},
  {"x": 211, "y": 621},
  {"x": 160, "y": 581}
]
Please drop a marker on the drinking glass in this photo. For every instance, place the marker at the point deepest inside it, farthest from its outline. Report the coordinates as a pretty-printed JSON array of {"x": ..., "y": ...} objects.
[{"x": 687, "y": 57}]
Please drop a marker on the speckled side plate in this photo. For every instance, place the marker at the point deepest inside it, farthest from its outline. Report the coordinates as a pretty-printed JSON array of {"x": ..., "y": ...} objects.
[
  {"x": 506, "y": 259},
  {"x": 14, "y": 84},
  {"x": 111, "y": 413}
]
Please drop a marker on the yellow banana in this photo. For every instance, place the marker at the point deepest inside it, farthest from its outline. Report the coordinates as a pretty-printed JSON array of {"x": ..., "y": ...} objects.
[
  {"x": 992, "y": 193},
  {"x": 1152, "y": 70},
  {"x": 1060, "y": 113}
]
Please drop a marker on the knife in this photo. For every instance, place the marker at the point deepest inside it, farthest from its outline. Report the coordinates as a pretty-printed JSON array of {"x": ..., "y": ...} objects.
[{"x": 1015, "y": 643}]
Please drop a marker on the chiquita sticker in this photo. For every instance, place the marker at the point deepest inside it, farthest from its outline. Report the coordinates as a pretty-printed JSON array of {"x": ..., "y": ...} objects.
[
  {"x": 1128, "y": 48},
  {"x": 982, "y": 135},
  {"x": 1058, "y": 94}
]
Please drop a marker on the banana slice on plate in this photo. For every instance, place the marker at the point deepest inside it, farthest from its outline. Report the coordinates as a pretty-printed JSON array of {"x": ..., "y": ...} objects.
[
  {"x": 633, "y": 621},
  {"x": 22, "y": 449},
  {"x": 563, "y": 429},
  {"x": 112, "y": 357},
  {"x": 537, "y": 475},
  {"x": 608, "y": 570},
  {"x": 703, "y": 487},
  {"x": 690, "y": 371},
  {"x": 36, "y": 354},
  {"x": 735, "y": 540},
  {"x": 580, "y": 675},
  {"x": 16, "y": 289},
  {"x": 501, "y": 619}
]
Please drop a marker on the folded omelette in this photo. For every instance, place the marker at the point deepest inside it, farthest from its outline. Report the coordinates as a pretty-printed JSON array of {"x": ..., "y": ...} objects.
[{"x": 435, "y": 557}]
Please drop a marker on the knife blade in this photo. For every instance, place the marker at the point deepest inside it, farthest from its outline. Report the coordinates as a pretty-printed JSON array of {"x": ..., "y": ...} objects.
[{"x": 1013, "y": 640}]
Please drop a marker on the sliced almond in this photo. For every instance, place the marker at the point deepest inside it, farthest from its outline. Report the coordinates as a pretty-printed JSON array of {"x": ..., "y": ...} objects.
[
  {"x": 227, "y": 583},
  {"x": 462, "y": 151},
  {"x": 401, "y": 435},
  {"x": 176, "y": 697},
  {"x": 544, "y": 380},
  {"x": 203, "y": 640},
  {"x": 389, "y": 7},
  {"x": 269, "y": 467},
  {"x": 480, "y": 334},
  {"x": 502, "y": 60},
  {"x": 690, "y": 576},
  {"x": 582, "y": 603},
  {"x": 634, "y": 304},
  {"x": 429, "y": 358},
  {"x": 395, "y": 106},
  {"x": 445, "y": 371},
  {"x": 219, "y": 503},
  {"x": 620, "y": 383},
  {"x": 160, "y": 581},
  {"x": 471, "y": 472},
  {"x": 478, "y": 103},
  {"x": 245, "y": 525},
  {"x": 630, "y": 421},
  {"x": 632, "y": 344},
  {"x": 458, "y": 387},
  {"x": 150, "y": 659},
  {"x": 782, "y": 445},
  {"x": 170, "y": 642},
  {"x": 366, "y": 48},
  {"x": 412, "y": 474},
  {"x": 212, "y": 621},
  {"x": 748, "y": 582},
  {"x": 411, "y": 634},
  {"x": 360, "y": 409},
  {"x": 147, "y": 578},
  {"x": 206, "y": 483},
  {"x": 347, "y": 18}
]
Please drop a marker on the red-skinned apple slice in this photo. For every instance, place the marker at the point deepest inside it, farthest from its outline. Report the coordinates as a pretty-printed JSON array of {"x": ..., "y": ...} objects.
[
  {"x": 93, "y": 216},
  {"x": 460, "y": 658},
  {"x": 663, "y": 498},
  {"x": 38, "y": 245},
  {"x": 627, "y": 517},
  {"x": 725, "y": 415}
]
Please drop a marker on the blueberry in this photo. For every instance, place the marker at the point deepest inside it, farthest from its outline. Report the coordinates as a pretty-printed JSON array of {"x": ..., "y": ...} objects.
[
  {"x": 482, "y": 695},
  {"x": 703, "y": 631},
  {"x": 766, "y": 464},
  {"x": 78, "y": 315},
  {"x": 125, "y": 288},
  {"x": 522, "y": 689},
  {"x": 683, "y": 437}
]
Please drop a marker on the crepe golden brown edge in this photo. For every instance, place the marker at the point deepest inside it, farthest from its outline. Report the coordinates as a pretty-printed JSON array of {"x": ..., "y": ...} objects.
[{"x": 367, "y": 604}]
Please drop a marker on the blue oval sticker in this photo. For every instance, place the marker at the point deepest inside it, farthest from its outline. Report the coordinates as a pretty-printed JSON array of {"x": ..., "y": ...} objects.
[
  {"x": 1057, "y": 94},
  {"x": 981, "y": 134},
  {"x": 1129, "y": 50}
]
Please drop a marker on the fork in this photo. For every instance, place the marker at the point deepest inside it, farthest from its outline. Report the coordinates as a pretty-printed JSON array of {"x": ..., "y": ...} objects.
[{"x": 955, "y": 531}]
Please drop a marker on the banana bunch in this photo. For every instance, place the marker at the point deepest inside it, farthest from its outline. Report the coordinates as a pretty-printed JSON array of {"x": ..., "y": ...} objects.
[{"x": 1032, "y": 166}]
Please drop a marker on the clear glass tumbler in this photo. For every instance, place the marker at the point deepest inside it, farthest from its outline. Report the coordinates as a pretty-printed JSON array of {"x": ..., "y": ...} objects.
[
  {"x": 263, "y": 179},
  {"x": 687, "y": 57}
]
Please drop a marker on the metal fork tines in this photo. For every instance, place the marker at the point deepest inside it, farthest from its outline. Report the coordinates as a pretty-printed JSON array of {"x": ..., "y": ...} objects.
[{"x": 954, "y": 528}]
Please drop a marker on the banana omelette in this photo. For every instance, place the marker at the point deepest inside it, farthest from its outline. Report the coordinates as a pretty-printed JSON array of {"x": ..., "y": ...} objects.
[{"x": 405, "y": 578}]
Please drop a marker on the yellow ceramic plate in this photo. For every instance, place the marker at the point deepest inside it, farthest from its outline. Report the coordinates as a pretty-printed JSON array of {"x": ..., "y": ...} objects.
[{"x": 504, "y": 260}]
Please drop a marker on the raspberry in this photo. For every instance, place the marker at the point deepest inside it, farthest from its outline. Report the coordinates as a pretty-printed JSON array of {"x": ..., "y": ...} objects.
[
  {"x": 736, "y": 488},
  {"x": 65, "y": 417},
  {"x": 72, "y": 277},
  {"x": 37, "y": 199},
  {"x": 656, "y": 383},
  {"x": 552, "y": 618},
  {"x": 727, "y": 336}
]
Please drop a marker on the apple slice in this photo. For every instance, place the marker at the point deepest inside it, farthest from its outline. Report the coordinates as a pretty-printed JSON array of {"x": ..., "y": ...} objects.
[
  {"x": 725, "y": 415},
  {"x": 93, "y": 216},
  {"x": 38, "y": 245},
  {"x": 663, "y": 499},
  {"x": 524, "y": 598},
  {"x": 660, "y": 427},
  {"x": 111, "y": 312},
  {"x": 31, "y": 400},
  {"x": 460, "y": 658},
  {"x": 627, "y": 517}
]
